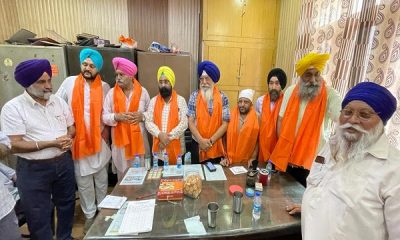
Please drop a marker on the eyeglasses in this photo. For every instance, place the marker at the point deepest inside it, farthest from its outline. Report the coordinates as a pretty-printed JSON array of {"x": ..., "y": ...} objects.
[{"x": 363, "y": 115}]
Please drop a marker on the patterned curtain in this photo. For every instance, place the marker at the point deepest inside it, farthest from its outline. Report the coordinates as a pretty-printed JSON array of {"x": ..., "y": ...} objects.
[{"x": 363, "y": 38}]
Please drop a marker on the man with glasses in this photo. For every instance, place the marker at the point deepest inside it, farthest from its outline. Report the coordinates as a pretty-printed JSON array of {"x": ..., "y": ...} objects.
[
  {"x": 353, "y": 189},
  {"x": 208, "y": 113},
  {"x": 304, "y": 117},
  {"x": 85, "y": 94}
]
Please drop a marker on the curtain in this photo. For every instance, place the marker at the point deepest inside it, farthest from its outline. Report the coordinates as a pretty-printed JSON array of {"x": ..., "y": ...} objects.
[{"x": 363, "y": 39}]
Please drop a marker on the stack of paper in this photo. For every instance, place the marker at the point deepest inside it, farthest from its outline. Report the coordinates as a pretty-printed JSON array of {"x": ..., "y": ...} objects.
[
  {"x": 138, "y": 217},
  {"x": 218, "y": 175},
  {"x": 134, "y": 176},
  {"x": 113, "y": 202}
]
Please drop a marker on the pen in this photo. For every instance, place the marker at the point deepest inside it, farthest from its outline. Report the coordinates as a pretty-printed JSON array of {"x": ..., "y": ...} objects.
[{"x": 145, "y": 196}]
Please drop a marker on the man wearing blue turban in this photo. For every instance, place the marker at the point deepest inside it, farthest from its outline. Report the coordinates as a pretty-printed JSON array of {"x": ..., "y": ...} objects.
[
  {"x": 208, "y": 112},
  {"x": 85, "y": 95},
  {"x": 40, "y": 127},
  {"x": 354, "y": 182}
]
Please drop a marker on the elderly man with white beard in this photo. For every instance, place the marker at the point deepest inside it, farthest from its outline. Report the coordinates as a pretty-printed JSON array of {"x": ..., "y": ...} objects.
[
  {"x": 208, "y": 116},
  {"x": 307, "y": 110},
  {"x": 353, "y": 189}
]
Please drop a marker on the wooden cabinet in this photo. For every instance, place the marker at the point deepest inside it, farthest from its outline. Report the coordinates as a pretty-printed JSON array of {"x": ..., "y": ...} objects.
[{"x": 240, "y": 36}]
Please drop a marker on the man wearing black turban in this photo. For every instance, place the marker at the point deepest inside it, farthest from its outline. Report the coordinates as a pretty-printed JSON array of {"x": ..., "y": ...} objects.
[
  {"x": 355, "y": 180},
  {"x": 268, "y": 106},
  {"x": 40, "y": 127}
]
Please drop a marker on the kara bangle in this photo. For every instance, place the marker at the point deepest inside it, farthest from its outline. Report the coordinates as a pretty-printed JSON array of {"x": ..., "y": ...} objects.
[{"x": 37, "y": 146}]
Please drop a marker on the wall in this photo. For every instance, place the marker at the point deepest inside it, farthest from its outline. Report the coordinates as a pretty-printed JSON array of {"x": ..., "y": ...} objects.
[
  {"x": 108, "y": 19},
  {"x": 9, "y": 23},
  {"x": 288, "y": 23}
]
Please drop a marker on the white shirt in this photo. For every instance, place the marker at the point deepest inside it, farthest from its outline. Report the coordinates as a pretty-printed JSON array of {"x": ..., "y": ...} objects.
[
  {"x": 22, "y": 115},
  {"x": 118, "y": 154},
  {"x": 358, "y": 201},
  {"x": 176, "y": 133},
  {"x": 94, "y": 163},
  {"x": 7, "y": 201},
  {"x": 259, "y": 104}
]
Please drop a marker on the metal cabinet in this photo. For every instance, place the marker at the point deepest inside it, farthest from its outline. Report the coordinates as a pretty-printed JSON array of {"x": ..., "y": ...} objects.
[{"x": 12, "y": 55}]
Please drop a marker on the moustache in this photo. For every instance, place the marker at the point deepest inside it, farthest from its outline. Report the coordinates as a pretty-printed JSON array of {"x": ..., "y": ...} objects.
[{"x": 354, "y": 126}]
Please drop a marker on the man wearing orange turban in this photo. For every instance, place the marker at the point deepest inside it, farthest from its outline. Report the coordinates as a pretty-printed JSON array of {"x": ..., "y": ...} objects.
[{"x": 306, "y": 111}]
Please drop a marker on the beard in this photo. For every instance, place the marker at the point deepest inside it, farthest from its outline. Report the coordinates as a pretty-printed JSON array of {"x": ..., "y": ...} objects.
[
  {"x": 348, "y": 147},
  {"x": 308, "y": 91},
  {"x": 39, "y": 93},
  {"x": 273, "y": 95},
  {"x": 165, "y": 92},
  {"x": 244, "y": 110},
  {"x": 88, "y": 75},
  {"x": 207, "y": 93}
]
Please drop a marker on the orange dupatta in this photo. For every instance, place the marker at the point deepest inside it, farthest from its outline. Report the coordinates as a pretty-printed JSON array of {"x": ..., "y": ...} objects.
[
  {"x": 208, "y": 125},
  {"x": 268, "y": 135},
  {"x": 241, "y": 142},
  {"x": 127, "y": 135},
  {"x": 87, "y": 141},
  {"x": 300, "y": 149},
  {"x": 174, "y": 147}
]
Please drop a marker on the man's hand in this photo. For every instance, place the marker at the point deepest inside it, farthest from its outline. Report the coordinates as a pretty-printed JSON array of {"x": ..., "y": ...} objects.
[
  {"x": 293, "y": 209},
  {"x": 164, "y": 139},
  {"x": 135, "y": 117},
  {"x": 204, "y": 144},
  {"x": 224, "y": 162},
  {"x": 121, "y": 117},
  {"x": 64, "y": 142},
  {"x": 105, "y": 134},
  {"x": 4, "y": 150}
]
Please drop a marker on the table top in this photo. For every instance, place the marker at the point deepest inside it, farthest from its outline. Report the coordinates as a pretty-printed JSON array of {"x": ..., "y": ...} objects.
[{"x": 169, "y": 216}]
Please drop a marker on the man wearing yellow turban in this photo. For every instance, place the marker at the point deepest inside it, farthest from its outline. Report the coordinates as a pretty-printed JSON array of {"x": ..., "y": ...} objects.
[
  {"x": 166, "y": 118},
  {"x": 304, "y": 117}
]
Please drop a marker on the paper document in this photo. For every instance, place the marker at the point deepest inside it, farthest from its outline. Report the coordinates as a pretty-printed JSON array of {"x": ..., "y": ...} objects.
[
  {"x": 173, "y": 171},
  {"x": 134, "y": 176},
  {"x": 113, "y": 202},
  {"x": 238, "y": 170},
  {"x": 195, "y": 168},
  {"x": 194, "y": 226},
  {"x": 218, "y": 175},
  {"x": 113, "y": 229},
  {"x": 138, "y": 217}
]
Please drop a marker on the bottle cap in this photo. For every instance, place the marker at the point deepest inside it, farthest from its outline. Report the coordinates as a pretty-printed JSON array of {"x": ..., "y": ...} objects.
[
  {"x": 249, "y": 192},
  {"x": 235, "y": 188}
]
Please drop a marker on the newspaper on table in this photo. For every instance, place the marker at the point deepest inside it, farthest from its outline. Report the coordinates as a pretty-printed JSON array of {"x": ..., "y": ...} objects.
[
  {"x": 112, "y": 202},
  {"x": 238, "y": 170},
  {"x": 134, "y": 176}
]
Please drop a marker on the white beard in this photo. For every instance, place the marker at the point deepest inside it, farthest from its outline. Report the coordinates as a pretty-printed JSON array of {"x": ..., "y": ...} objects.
[
  {"x": 345, "y": 146},
  {"x": 308, "y": 92},
  {"x": 207, "y": 94}
]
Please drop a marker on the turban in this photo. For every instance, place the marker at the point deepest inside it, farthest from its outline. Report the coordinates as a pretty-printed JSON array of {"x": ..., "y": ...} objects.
[
  {"x": 247, "y": 93},
  {"x": 280, "y": 74},
  {"x": 168, "y": 73},
  {"x": 92, "y": 54},
  {"x": 125, "y": 66},
  {"x": 210, "y": 68},
  {"x": 376, "y": 96},
  {"x": 28, "y": 72},
  {"x": 312, "y": 59}
]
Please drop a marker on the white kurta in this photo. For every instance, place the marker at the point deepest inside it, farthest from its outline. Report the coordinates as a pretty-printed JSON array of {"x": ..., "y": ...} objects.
[
  {"x": 96, "y": 162},
  {"x": 118, "y": 154},
  {"x": 358, "y": 201}
]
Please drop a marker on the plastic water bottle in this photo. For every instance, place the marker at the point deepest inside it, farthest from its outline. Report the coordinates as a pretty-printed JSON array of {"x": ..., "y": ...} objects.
[
  {"x": 188, "y": 158},
  {"x": 155, "y": 161},
  {"x": 166, "y": 161},
  {"x": 257, "y": 206},
  {"x": 269, "y": 170},
  {"x": 136, "y": 163},
  {"x": 179, "y": 162}
]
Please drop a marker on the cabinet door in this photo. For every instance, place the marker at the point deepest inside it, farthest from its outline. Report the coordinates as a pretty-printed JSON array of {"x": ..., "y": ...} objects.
[
  {"x": 222, "y": 18},
  {"x": 255, "y": 65},
  {"x": 259, "y": 19}
]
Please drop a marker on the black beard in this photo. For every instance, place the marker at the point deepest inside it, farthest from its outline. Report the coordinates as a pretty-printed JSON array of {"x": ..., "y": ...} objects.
[
  {"x": 165, "y": 92},
  {"x": 273, "y": 95},
  {"x": 92, "y": 77}
]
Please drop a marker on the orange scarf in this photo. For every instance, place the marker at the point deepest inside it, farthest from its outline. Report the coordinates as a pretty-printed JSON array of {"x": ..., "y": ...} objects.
[
  {"x": 87, "y": 140},
  {"x": 241, "y": 142},
  {"x": 208, "y": 125},
  {"x": 174, "y": 147},
  {"x": 268, "y": 135},
  {"x": 300, "y": 149},
  {"x": 127, "y": 135}
]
